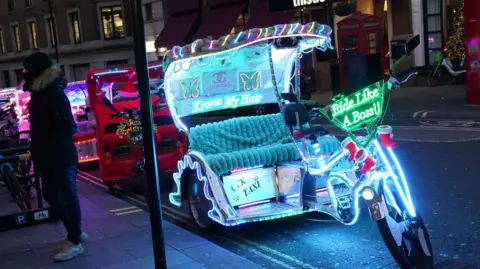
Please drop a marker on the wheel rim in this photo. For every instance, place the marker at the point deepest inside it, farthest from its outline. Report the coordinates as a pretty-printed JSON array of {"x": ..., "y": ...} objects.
[
  {"x": 411, "y": 237},
  {"x": 199, "y": 204}
]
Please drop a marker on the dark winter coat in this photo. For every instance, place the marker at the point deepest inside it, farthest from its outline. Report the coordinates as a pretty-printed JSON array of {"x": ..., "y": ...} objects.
[{"x": 51, "y": 122}]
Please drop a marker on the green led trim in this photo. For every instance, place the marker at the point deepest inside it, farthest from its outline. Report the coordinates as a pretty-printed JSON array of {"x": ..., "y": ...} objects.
[{"x": 359, "y": 109}]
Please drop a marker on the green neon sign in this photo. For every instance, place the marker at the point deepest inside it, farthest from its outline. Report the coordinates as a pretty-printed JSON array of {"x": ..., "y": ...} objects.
[
  {"x": 226, "y": 102},
  {"x": 358, "y": 109}
]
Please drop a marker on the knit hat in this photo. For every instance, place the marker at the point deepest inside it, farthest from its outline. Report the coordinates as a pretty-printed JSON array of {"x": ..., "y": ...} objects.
[{"x": 36, "y": 63}]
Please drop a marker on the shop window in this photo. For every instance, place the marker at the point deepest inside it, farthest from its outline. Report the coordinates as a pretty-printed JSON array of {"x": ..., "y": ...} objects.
[
  {"x": 112, "y": 22},
  {"x": 301, "y": 17},
  {"x": 434, "y": 28},
  {"x": 241, "y": 23}
]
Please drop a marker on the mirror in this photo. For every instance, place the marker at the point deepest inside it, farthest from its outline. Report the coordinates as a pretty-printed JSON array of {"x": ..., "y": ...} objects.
[{"x": 412, "y": 44}]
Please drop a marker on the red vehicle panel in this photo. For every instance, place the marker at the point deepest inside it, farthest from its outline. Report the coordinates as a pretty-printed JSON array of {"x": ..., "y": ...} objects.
[{"x": 117, "y": 158}]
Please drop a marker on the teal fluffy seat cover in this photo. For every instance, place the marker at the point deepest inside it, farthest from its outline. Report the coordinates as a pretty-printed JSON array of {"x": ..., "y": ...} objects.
[{"x": 246, "y": 142}]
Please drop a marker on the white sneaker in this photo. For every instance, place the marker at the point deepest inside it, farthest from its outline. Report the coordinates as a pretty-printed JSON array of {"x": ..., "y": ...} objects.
[
  {"x": 69, "y": 252},
  {"x": 65, "y": 242}
]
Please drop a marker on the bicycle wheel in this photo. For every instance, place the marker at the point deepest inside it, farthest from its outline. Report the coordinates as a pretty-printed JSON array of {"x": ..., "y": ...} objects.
[
  {"x": 435, "y": 76},
  {"x": 17, "y": 191}
]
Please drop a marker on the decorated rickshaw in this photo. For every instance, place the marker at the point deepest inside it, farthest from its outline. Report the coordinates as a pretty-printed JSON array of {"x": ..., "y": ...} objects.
[{"x": 253, "y": 168}]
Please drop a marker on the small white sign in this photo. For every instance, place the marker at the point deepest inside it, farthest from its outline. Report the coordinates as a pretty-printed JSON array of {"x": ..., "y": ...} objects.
[
  {"x": 250, "y": 186},
  {"x": 41, "y": 215}
]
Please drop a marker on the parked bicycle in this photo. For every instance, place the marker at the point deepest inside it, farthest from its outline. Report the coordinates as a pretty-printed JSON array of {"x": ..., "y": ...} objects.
[
  {"x": 442, "y": 65},
  {"x": 15, "y": 172}
]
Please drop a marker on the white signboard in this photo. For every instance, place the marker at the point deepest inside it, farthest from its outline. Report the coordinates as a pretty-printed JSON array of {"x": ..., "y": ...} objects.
[{"x": 250, "y": 186}]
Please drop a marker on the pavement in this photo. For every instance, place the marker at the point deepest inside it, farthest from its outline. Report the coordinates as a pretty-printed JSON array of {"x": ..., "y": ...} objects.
[
  {"x": 442, "y": 167},
  {"x": 441, "y": 102},
  {"x": 119, "y": 239}
]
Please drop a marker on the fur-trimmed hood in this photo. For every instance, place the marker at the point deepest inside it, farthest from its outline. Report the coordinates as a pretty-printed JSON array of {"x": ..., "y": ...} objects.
[{"x": 45, "y": 78}]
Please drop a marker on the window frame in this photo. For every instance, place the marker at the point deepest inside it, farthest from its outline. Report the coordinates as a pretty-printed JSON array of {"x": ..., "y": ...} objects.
[
  {"x": 17, "y": 43},
  {"x": 33, "y": 34},
  {"x": 11, "y": 5},
  {"x": 71, "y": 14},
  {"x": 151, "y": 13},
  {"x": 112, "y": 14},
  {"x": 3, "y": 46},
  {"x": 51, "y": 30}
]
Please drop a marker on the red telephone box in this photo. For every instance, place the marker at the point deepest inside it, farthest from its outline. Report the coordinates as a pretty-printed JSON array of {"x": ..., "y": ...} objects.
[
  {"x": 360, "y": 51},
  {"x": 472, "y": 39}
]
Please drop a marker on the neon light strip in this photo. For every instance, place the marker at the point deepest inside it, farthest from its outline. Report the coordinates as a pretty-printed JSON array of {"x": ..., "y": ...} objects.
[
  {"x": 408, "y": 204},
  {"x": 122, "y": 71},
  {"x": 187, "y": 162},
  {"x": 171, "y": 98}
]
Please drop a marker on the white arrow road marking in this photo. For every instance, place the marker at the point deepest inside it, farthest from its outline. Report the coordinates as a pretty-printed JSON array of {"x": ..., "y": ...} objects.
[
  {"x": 424, "y": 114},
  {"x": 416, "y": 113}
]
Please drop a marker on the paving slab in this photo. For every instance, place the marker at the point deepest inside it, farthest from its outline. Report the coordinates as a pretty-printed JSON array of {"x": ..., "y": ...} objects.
[{"x": 119, "y": 238}]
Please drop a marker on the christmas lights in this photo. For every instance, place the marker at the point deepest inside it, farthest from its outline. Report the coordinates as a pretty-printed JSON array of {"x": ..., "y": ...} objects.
[
  {"x": 456, "y": 42},
  {"x": 258, "y": 35}
]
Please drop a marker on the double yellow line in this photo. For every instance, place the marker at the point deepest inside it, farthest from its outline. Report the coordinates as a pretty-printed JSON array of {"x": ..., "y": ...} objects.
[{"x": 260, "y": 250}]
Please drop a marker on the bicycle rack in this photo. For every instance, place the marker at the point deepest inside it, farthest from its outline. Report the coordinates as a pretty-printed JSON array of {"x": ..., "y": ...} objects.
[{"x": 41, "y": 214}]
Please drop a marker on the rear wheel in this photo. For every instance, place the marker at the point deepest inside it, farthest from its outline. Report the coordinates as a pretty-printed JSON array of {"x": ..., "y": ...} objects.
[
  {"x": 17, "y": 191},
  {"x": 435, "y": 76},
  {"x": 198, "y": 203}
]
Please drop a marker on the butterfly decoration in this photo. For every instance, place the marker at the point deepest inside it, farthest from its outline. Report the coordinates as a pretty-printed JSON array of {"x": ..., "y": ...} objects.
[
  {"x": 250, "y": 82},
  {"x": 191, "y": 89}
]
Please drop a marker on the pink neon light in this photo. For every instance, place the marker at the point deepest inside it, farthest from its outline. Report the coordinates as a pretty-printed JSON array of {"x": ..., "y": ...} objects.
[
  {"x": 260, "y": 34},
  {"x": 284, "y": 27},
  {"x": 211, "y": 45},
  {"x": 301, "y": 29}
]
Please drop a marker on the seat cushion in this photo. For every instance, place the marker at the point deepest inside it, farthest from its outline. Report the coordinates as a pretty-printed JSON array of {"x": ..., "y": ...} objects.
[
  {"x": 223, "y": 163},
  {"x": 239, "y": 134}
]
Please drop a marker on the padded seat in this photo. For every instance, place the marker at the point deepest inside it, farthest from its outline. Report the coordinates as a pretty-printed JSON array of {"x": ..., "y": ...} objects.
[{"x": 247, "y": 141}]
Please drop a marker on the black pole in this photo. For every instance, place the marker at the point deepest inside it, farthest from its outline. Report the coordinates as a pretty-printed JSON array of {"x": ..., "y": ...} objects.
[
  {"x": 150, "y": 156},
  {"x": 53, "y": 36}
]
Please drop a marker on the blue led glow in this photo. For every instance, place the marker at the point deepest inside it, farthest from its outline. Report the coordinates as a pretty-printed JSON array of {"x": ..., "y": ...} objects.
[{"x": 404, "y": 190}]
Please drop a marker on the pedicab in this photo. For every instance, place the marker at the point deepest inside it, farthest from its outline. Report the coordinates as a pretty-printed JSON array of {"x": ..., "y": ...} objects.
[
  {"x": 119, "y": 159},
  {"x": 261, "y": 167}
]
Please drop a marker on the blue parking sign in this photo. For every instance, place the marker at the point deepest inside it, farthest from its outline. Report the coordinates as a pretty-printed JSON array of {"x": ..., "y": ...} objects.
[{"x": 21, "y": 219}]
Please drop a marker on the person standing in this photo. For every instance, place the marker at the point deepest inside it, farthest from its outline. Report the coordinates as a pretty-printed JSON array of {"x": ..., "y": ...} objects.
[{"x": 53, "y": 150}]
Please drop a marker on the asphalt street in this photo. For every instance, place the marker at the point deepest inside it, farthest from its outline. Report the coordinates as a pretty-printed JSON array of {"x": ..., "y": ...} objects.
[{"x": 443, "y": 168}]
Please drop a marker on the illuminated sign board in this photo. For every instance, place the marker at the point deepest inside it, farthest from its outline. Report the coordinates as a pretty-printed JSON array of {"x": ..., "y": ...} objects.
[
  {"x": 362, "y": 107},
  {"x": 282, "y": 5},
  {"x": 250, "y": 186}
]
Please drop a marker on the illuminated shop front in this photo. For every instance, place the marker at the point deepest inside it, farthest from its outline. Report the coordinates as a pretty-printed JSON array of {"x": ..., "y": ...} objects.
[{"x": 439, "y": 17}]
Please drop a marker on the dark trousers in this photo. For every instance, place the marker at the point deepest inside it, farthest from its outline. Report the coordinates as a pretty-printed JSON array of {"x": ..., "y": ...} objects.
[{"x": 60, "y": 191}]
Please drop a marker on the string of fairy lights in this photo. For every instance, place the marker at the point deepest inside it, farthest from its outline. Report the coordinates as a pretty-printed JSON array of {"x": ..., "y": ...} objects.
[{"x": 455, "y": 46}]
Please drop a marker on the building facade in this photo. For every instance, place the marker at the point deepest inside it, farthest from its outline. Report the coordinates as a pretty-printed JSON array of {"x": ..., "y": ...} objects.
[{"x": 87, "y": 33}]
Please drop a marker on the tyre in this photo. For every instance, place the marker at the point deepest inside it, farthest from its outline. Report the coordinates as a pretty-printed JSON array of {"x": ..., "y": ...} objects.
[
  {"x": 17, "y": 191},
  {"x": 435, "y": 76},
  {"x": 198, "y": 203},
  {"x": 407, "y": 240}
]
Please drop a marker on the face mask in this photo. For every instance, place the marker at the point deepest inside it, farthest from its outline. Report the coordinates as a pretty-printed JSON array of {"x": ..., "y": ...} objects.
[{"x": 27, "y": 76}]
